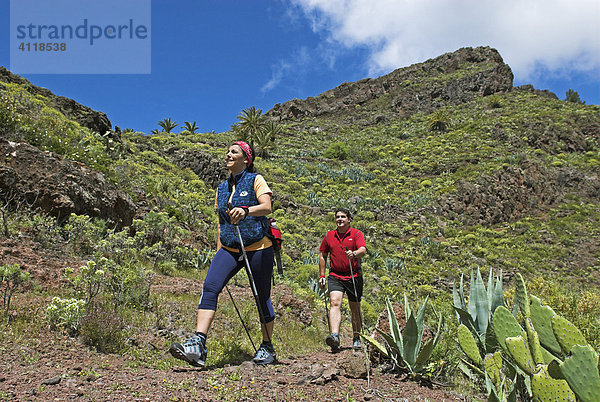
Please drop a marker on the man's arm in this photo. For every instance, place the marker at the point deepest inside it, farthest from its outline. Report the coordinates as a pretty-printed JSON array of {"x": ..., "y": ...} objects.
[
  {"x": 322, "y": 266},
  {"x": 360, "y": 253}
]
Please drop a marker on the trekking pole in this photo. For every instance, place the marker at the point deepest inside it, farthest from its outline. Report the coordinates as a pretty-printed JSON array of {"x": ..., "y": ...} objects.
[
  {"x": 251, "y": 280},
  {"x": 327, "y": 312},
  {"x": 241, "y": 319}
]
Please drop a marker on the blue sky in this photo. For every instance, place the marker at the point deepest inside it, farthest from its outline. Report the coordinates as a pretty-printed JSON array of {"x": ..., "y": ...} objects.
[{"x": 212, "y": 58}]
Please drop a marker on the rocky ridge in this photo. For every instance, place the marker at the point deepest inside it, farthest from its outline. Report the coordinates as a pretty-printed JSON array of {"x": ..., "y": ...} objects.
[
  {"x": 85, "y": 116},
  {"x": 449, "y": 79}
]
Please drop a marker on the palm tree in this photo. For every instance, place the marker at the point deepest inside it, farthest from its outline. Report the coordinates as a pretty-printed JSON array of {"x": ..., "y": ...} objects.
[
  {"x": 264, "y": 140},
  {"x": 190, "y": 127},
  {"x": 167, "y": 125},
  {"x": 250, "y": 123}
]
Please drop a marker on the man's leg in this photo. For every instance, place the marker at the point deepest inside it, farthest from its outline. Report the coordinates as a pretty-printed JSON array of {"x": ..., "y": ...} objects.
[
  {"x": 335, "y": 319},
  {"x": 335, "y": 311},
  {"x": 356, "y": 318}
]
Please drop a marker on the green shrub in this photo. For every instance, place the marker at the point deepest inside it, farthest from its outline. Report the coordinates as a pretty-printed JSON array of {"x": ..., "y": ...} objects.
[
  {"x": 89, "y": 280},
  {"x": 337, "y": 150},
  {"x": 11, "y": 278},
  {"x": 65, "y": 314},
  {"x": 83, "y": 233},
  {"x": 102, "y": 328}
]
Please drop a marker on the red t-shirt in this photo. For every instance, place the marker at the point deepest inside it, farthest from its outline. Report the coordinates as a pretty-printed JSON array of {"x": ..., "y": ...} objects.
[{"x": 335, "y": 245}]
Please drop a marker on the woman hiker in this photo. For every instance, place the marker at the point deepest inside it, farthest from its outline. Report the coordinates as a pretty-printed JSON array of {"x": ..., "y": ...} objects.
[
  {"x": 243, "y": 200},
  {"x": 345, "y": 246}
]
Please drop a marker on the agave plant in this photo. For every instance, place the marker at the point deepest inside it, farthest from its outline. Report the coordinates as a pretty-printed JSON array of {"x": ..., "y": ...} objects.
[
  {"x": 477, "y": 312},
  {"x": 476, "y": 337},
  {"x": 403, "y": 345}
]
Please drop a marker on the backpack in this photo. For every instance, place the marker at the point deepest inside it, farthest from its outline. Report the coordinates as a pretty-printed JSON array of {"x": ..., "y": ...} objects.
[{"x": 274, "y": 233}]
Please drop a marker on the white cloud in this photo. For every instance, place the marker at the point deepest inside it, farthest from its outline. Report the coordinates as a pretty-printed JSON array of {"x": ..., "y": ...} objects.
[
  {"x": 554, "y": 35},
  {"x": 283, "y": 68}
]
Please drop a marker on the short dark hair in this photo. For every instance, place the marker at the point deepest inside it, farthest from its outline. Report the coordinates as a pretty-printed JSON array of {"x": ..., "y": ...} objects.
[{"x": 344, "y": 210}]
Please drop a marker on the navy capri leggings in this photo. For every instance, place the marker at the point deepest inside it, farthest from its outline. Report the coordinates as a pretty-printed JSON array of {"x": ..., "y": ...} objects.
[{"x": 226, "y": 264}]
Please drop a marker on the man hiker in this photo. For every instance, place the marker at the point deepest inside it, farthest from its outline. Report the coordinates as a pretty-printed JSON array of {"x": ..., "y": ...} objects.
[{"x": 345, "y": 246}]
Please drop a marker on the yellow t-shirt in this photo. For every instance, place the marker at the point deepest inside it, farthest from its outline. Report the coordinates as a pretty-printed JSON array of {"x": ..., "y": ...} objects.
[{"x": 260, "y": 187}]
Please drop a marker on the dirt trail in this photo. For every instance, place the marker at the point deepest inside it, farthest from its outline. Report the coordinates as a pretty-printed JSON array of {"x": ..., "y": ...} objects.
[
  {"x": 55, "y": 367},
  {"x": 59, "y": 368}
]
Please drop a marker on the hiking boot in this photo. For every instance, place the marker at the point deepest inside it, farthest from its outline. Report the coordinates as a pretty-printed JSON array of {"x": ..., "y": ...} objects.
[
  {"x": 356, "y": 344},
  {"x": 192, "y": 351},
  {"x": 333, "y": 340},
  {"x": 265, "y": 354}
]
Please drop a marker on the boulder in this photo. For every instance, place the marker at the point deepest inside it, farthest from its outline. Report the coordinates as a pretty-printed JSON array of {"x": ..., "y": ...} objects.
[{"x": 59, "y": 187}]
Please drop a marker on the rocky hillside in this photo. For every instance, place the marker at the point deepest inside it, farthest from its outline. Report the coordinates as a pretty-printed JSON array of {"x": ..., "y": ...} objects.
[
  {"x": 96, "y": 121},
  {"x": 446, "y": 166}
]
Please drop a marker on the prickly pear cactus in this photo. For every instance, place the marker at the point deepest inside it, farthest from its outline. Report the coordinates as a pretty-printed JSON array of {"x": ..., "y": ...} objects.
[
  {"x": 468, "y": 344},
  {"x": 492, "y": 364},
  {"x": 505, "y": 326},
  {"x": 521, "y": 296},
  {"x": 546, "y": 389},
  {"x": 519, "y": 350},
  {"x": 534, "y": 342},
  {"x": 567, "y": 334},
  {"x": 541, "y": 317},
  {"x": 580, "y": 370}
]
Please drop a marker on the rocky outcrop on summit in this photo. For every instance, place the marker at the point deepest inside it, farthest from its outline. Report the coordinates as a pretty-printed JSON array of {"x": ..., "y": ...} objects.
[
  {"x": 59, "y": 187},
  {"x": 515, "y": 192},
  {"x": 95, "y": 121},
  {"x": 450, "y": 79}
]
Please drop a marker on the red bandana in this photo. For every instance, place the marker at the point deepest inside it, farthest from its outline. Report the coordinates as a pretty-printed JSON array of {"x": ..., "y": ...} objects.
[{"x": 247, "y": 150}]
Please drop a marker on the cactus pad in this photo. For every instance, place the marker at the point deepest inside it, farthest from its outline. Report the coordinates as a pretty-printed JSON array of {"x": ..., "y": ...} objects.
[
  {"x": 545, "y": 388},
  {"x": 492, "y": 364},
  {"x": 581, "y": 372},
  {"x": 541, "y": 317},
  {"x": 522, "y": 297},
  {"x": 468, "y": 344},
  {"x": 566, "y": 333},
  {"x": 534, "y": 342},
  {"x": 505, "y": 325},
  {"x": 518, "y": 349}
]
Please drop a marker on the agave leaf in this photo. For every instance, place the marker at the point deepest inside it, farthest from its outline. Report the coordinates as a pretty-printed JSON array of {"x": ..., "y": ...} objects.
[
  {"x": 498, "y": 295},
  {"x": 462, "y": 293},
  {"x": 378, "y": 346},
  {"x": 471, "y": 308},
  {"x": 490, "y": 287},
  {"x": 394, "y": 348},
  {"x": 407, "y": 311},
  {"x": 420, "y": 320},
  {"x": 394, "y": 327},
  {"x": 427, "y": 349},
  {"x": 465, "y": 319},
  {"x": 480, "y": 301},
  {"x": 467, "y": 368},
  {"x": 411, "y": 340},
  {"x": 456, "y": 301}
]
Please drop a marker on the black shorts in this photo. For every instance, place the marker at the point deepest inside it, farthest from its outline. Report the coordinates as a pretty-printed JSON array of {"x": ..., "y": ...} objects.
[{"x": 346, "y": 286}]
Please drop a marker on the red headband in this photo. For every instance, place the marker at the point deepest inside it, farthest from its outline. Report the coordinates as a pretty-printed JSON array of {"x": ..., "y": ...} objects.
[{"x": 247, "y": 150}]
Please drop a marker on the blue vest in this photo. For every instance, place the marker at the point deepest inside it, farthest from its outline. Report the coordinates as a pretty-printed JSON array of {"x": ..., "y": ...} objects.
[{"x": 253, "y": 228}]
